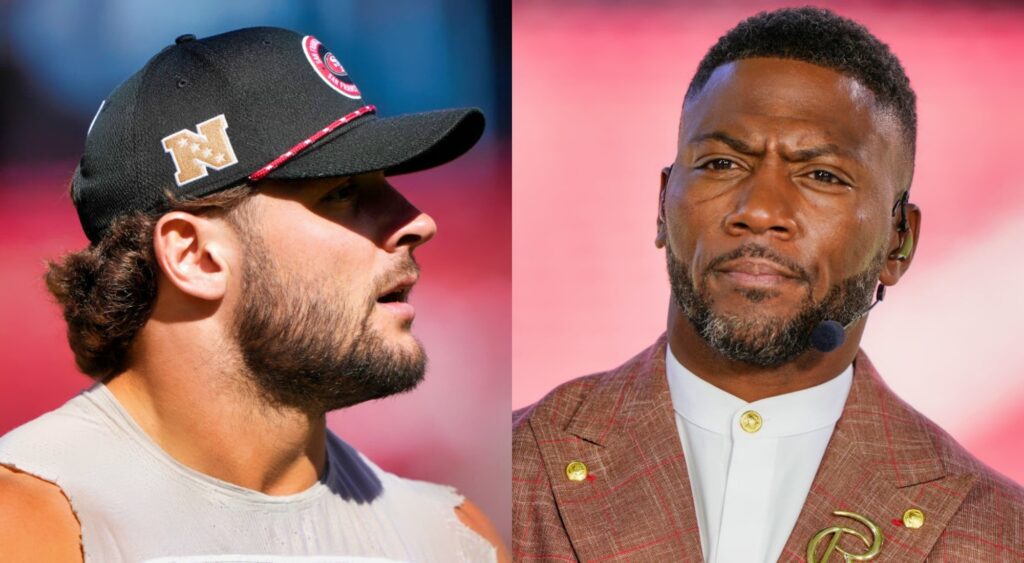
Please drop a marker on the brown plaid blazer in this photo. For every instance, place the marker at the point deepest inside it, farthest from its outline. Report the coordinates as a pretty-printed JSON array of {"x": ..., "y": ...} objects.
[{"x": 883, "y": 458}]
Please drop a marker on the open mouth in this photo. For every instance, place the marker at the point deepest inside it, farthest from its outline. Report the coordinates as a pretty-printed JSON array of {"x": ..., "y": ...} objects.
[
  {"x": 400, "y": 295},
  {"x": 393, "y": 298},
  {"x": 398, "y": 291}
]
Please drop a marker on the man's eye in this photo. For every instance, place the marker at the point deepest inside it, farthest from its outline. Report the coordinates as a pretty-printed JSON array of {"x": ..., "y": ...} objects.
[
  {"x": 718, "y": 164},
  {"x": 341, "y": 193},
  {"x": 826, "y": 177}
]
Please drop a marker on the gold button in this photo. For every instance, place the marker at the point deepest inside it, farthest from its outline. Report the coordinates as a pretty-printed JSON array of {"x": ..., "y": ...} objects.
[
  {"x": 913, "y": 518},
  {"x": 750, "y": 421},
  {"x": 576, "y": 471}
]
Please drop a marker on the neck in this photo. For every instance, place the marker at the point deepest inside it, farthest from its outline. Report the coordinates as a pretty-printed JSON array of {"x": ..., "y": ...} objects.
[
  {"x": 209, "y": 418},
  {"x": 753, "y": 383}
]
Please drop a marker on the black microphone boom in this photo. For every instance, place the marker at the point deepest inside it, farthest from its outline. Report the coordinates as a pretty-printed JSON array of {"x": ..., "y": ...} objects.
[{"x": 829, "y": 334}]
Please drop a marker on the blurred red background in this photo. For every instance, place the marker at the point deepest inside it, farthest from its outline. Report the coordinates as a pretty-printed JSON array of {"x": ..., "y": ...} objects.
[
  {"x": 597, "y": 90},
  {"x": 410, "y": 55},
  {"x": 452, "y": 429}
]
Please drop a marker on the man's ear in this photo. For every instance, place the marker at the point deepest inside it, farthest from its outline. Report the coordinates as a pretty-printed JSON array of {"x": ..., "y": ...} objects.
[
  {"x": 902, "y": 246},
  {"x": 662, "y": 235},
  {"x": 192, "y": 253}
]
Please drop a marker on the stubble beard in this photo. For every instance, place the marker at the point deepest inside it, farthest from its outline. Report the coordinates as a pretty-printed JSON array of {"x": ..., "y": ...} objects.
[
  {"x": 305, "y": 347},
  {"x": 763, "y": 341}
]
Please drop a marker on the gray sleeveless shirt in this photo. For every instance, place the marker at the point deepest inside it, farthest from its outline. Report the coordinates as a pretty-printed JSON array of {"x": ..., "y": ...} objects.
[{"x": 136, "y": 503}]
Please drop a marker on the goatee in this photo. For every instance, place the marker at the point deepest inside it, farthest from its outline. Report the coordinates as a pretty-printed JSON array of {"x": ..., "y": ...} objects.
[{"x": 763, "y": 341}]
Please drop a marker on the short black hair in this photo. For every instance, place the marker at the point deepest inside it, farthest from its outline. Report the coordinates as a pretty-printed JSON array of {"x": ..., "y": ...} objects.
[{"x": 820, "y": 37}]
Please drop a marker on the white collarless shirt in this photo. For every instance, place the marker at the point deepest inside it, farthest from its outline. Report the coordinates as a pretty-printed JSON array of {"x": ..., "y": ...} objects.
[{"x": 750, "y": 473}]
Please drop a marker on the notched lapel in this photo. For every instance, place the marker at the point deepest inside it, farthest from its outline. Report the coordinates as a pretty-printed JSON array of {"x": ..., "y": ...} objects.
[
  {"x": 879, "y": 463},
  {"x": 636, "y": 503}
]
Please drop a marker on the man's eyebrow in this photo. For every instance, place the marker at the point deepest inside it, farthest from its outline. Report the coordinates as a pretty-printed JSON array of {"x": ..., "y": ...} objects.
[
  {"x": 801, "y": 155},
  {"x": 804, "y": 155},
  {"x": 722, "y": 137}
]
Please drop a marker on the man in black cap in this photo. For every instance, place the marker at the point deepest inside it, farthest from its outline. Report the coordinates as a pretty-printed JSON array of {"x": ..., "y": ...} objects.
[{"x": 248, "y": 271}]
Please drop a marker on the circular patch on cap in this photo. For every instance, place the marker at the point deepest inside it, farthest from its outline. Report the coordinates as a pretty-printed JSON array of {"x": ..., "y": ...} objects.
[{"x": 329, "y": 67}]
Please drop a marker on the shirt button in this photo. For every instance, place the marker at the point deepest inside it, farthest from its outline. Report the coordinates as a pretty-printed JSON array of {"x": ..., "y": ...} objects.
[{"x": 750, "y": 422}]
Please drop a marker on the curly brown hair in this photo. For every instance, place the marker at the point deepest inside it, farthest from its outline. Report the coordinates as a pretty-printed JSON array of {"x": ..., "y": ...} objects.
[{"x": 107, "y": 290}]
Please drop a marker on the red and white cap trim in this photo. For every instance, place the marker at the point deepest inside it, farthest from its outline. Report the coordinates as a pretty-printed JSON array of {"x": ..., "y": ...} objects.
[{"x": 277, "y": 162}]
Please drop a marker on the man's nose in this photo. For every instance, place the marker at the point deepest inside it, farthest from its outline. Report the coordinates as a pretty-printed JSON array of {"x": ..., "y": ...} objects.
[
  {"x": 409, "y": 227},
  {"x": 764, "y": 205}
]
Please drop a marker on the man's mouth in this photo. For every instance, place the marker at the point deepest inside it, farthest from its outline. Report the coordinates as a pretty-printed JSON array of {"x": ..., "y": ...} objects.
[
  {"x": 757, "y": 267},
  {"x": 757, "y": 273},
  {"x": 398, "y": 295},
  {"x": 395, "y": 298}
]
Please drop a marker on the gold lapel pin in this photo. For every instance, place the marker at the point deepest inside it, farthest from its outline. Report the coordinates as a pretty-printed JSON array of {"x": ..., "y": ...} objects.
[
  {"x": 576, "y": 470},
  {"x": 835, "y": 533},
  {"x": 913, "y": 518}
]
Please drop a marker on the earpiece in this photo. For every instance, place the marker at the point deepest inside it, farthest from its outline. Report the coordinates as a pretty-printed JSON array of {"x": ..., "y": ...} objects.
[
  {"x": 907, "y": 247},
  {"x": 907, "y": 244}
]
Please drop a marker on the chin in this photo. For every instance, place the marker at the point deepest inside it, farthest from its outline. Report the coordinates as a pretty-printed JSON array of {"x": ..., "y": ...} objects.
[
  {"x": 756, "y": 303},
  {"x": 393, "y": 330},
  {"x": 402, "y": 341}
]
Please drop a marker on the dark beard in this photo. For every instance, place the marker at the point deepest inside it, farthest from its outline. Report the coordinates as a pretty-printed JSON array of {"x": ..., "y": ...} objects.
[
  {"x": 763, "y": 341},
  {"x": 305, "y": 350}
]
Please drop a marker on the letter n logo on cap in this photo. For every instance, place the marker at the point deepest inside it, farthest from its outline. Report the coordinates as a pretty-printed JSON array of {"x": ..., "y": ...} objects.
[{"x": 194, "y": 153}]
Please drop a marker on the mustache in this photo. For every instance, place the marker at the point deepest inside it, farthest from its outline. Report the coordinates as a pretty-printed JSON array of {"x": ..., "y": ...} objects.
[
  {"x": 405, "y": 269},
  {"x": 754, "y": 250}
]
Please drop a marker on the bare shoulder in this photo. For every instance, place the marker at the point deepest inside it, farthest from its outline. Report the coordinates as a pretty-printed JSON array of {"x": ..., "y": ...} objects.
[
  {"x": 474, "y": 519},
  {"x": 36, "y": 521}
]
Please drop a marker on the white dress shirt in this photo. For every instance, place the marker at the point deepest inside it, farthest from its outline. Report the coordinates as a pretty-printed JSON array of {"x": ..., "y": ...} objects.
[{"x": 750, "y": 485}]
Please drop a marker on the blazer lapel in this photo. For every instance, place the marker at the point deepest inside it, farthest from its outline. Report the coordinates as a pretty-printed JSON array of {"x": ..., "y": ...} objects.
[
  {"x": 636, "y": 502},
  {"x": 879, "y": 463}
]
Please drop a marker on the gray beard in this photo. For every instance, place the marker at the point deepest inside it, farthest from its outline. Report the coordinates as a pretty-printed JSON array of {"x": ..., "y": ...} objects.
[{"x": 766, "y": 342}]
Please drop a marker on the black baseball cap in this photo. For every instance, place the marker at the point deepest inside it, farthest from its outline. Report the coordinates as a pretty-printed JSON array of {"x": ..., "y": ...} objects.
[{"x": 207, "y": 114}]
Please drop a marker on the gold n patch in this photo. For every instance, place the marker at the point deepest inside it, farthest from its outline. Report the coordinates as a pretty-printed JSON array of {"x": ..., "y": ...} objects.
[{"x": 194, "y": 153}]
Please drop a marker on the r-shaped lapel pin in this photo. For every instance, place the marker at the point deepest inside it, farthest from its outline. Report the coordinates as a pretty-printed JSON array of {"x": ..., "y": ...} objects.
[{"x": 834, "y": 533}]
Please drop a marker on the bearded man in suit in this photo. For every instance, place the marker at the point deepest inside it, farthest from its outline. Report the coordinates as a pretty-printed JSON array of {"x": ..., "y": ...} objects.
[{"x": 756, "y": 429}]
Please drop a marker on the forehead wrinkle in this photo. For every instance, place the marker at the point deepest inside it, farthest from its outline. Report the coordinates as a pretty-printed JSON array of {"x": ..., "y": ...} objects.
[
  {"x": 703, "y": 112},
  {"x": 783, "y": 96},
  {"x": 772, "y": 141},
  {"x": 873, "y": 153}
]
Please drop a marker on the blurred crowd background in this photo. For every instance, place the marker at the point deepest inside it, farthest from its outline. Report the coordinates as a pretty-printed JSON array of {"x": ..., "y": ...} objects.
[
  {"x": 597, "y": 91},
  {"x": 60, "y": 58}
]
